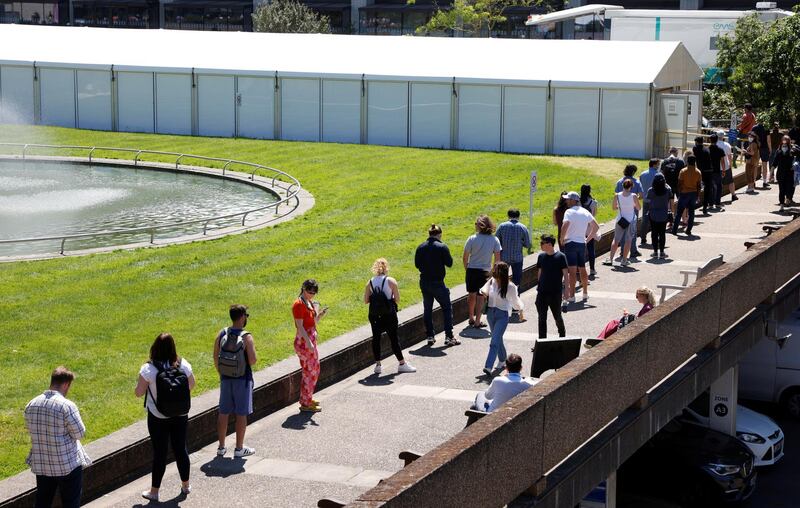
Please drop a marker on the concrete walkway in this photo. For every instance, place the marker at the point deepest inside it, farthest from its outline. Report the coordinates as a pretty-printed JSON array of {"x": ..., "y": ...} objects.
[{"x": 368, "y": 419}]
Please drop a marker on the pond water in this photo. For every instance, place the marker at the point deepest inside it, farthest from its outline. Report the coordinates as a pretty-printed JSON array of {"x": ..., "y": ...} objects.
[{"x": 39, "y": 199}]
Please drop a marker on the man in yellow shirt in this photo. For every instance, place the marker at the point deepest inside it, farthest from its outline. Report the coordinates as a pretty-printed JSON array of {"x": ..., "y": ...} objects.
[{"x": 688, "y": 189}]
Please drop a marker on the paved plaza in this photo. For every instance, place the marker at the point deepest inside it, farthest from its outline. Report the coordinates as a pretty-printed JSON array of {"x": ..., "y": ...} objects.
[{"x": 367, "y": 419}]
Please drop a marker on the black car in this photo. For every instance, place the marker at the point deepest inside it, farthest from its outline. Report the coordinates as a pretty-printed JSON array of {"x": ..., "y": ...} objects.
[{"x": 691, "y": 465}]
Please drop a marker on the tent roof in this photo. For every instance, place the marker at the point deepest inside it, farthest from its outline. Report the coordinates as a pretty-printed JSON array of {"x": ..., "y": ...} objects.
[{"x": 617, "y": 64}]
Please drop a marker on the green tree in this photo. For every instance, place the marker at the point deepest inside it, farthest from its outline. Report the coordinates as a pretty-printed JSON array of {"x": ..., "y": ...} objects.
[
  {"x": 471, "y": 17},
  {"x": 289, "y": 16},
  {"x": 761, "y": 65}
]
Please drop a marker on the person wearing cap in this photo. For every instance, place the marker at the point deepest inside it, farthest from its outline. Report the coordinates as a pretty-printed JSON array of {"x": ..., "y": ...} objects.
[
  {"x": 578, "y": 228},
  {"x": 727, "y": 175}
]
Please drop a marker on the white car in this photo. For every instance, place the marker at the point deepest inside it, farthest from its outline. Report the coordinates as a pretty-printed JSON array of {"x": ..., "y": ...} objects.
[{"x": 759, "y": 432}]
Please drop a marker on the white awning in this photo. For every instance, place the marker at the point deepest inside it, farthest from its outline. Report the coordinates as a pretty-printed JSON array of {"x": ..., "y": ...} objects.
[{"x": 584, "y": 10}]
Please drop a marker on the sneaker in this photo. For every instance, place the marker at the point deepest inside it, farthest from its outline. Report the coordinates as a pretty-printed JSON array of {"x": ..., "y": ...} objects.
[
  {"x": 186, "y": 490},
  {"x": 406, "y": 367},
  {"x": 654, "y": 255},
  {"x": 243, "y": 451},
  {"x": 500, "y": 367},
  {"x": 585, "y": 296},
  {"x": 564, "y": 306},
  {"x": 147, "y": 495},
  {"x": 221, "y": 451},
  {"x": 625, "y": 262},
  {"x": 452, "y": 341},
  {"x": 592, "y": 273},
  {"x": 643, "y": 244},
  {"x": 431, "y": 341},
  {"x": 734, "y": 198},
  {"x": 479, "y": 325},
  {"x": 487, "y": 371},
  {"x": 781, "y": 208},
  {"x": 571, "y": 299},
  {"x": 608, "y": 262},
  {"x": 663, "y": 255},
  {"x": 310, "y": 409},
  {"x": 377, "y": 369}
]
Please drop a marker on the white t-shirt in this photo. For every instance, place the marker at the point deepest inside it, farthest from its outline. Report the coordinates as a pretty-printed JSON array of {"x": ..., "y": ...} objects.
[
  {"x": 377, "y": 282},
  {"x": 510, "y": 302},
  {"x": 626, "y": 207},
  {"x": 726, "y": 147},
  {"x": 579, "y": 219},
  {"x": 149, "y": 373}
]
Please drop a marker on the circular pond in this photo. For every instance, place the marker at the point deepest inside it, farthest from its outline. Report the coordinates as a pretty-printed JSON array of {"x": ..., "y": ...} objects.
[{"x": 45, "y": 199}]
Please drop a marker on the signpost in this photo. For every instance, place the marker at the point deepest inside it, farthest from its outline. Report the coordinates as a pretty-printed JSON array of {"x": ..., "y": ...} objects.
[{"x": 534, "y": 183}]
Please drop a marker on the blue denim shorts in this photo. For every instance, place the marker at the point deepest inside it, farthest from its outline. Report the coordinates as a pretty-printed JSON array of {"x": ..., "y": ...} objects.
[
  {"x": 236, "y": 396},
  {"x": 576, "y": 253}
]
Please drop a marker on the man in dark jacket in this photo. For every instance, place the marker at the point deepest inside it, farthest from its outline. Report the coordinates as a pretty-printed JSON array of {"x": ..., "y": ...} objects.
[
  {"x": 431, "y": 259},
  {"x": 703, "y": 161}
]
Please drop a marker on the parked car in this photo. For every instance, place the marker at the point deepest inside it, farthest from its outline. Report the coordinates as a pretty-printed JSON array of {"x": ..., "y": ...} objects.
[
  {"x": 770, "y": 372},
  {"x": 759, "y": 432},
  {"x": 691, "y": 465}
]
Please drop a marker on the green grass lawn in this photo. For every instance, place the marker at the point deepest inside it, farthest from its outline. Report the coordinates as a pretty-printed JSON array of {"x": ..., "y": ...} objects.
[{"x": 98, "y": 314}]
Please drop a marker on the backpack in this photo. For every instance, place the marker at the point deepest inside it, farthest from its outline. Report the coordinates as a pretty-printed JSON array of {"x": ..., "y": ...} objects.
[
  {"x": 379, "y": 304},
  {"x": 172, "y": 385},
  {"x": 232, "y": 358}
]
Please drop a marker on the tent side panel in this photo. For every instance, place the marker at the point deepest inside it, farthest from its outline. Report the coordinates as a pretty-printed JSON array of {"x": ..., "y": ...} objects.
[
  {"x": 575, "y": 121},
  {"x": 257, "y": 106},
  {"x": 16, "y": 95},
  {"x": 58, "y": 97},
  {"x": 173, "y": 104},
  {"x": 135, "y": 101},
  {"x": 430, "y": 115},
  {"x": 479, "y": 117},
  {"x": 94, "y": 100},
  {"x": 524, "y": 119},
  {"x": 341, "y": 111},
  {"x": 300, "y": 109},
  {"x": 387, "y": 113},
  {"x": 215, "y": 106},
  {"x": 623, "y": 124}
]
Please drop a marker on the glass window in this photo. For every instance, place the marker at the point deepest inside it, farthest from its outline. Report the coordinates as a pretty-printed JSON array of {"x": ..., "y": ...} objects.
[
  {"x": 388, "y": 23},
  {"x": 414, "y": 19}
]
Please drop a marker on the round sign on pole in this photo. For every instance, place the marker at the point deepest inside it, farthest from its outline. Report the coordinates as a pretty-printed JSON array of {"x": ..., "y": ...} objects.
[{"x": 534, "y": 181}]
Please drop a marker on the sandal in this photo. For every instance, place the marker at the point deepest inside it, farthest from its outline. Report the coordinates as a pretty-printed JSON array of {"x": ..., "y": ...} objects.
[
  {"x": 452, "y": 341},
  {"x": 471, "y": 323},
  {"x": 480, "y": 325}
]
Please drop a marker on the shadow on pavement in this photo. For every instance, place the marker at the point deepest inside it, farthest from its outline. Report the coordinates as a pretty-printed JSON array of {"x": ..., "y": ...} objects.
[
  {"x": 223, "y": 467},
  {"x": 475, "y": 333},
  {"x": 175, "y": 501},
  {"x": 428, "y": 351},
  {"x": 299, "y": 421}
]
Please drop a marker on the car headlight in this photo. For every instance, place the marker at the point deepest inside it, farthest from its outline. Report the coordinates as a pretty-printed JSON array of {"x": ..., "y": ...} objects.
[
  {"x": 724, "y": 469},
  {"x": 750, "y": 438}
]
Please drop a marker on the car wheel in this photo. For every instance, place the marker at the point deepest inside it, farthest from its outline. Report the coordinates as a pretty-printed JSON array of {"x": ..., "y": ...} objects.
[{"x": 791, "y": 402}]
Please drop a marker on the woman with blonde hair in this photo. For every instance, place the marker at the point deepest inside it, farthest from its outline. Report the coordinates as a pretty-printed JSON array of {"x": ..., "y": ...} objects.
[
  {"x": 647, "y": 298},
  {"x": 382, "y": 295},
  {"x": 481, "y": 252}
]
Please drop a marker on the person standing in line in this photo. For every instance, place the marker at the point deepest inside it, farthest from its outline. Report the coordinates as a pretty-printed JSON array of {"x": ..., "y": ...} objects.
[
  {"x": 481, "y": 252},
  {"x": 503, "y": 388},
  {"x": 579, "y": 226},
  {"x": 238, "y": 350},
  {"x": 503, "y": 297},
  {"x": 646, "y": 181},
  {"x": 514, "y": 237},
  {"x": 715, "y": 163},
  {"x": 762, "y": 137},
  {"x": 688, "y": 188},
  {"x": 552, "y": 269},
  {"x": 626, "y": 203},
  {"x": 727, "y": 175},
  {"x": 590, "y": 204},
  {"x": 661, "y": 202},
  {"x": 432, "y": 258},
  {"x": 558, "y": 214},
  {"x": 784, "y": 173},
  {"x": 382, "y": 295},
  {"x": 165, "y": 429},
  {"x": 56, "y": 457},
  {"x": 753, "y": 162},
  {"x": 628, "y": 173},
  {"x": 307, "y": 314},
  {"x": 747, "y": 122},
  {"x": 774, "y": 141},
  {"x": 671, "y": 167}
]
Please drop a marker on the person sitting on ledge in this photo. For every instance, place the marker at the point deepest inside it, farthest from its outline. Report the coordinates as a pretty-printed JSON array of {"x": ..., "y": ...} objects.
[{"x": 505, "y": 387}]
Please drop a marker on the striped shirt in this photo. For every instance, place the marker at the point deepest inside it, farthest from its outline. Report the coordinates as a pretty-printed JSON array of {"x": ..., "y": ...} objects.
[
  {"x": 513, "y": 237},
  {"x": 55, "y": 426}
]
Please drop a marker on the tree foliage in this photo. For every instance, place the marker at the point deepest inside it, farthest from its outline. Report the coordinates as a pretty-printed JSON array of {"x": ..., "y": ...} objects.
[
  {"x": 471, "y": 17},
  {"x": 289, "y": 16},
  {"x": 761, "y": 64}
]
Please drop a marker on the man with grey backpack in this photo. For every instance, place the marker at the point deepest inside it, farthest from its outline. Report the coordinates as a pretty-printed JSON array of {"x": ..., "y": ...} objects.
[{"x": 234, "y": 353}]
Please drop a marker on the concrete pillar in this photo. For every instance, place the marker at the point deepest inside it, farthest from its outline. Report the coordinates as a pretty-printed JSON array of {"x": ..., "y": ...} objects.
[{"x": 722, "y": 402}]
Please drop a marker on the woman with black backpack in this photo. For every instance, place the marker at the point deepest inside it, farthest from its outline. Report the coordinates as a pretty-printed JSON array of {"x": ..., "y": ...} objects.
[
  {"x": 166, "y": 381},
  {"x": 382, "y": 296}
]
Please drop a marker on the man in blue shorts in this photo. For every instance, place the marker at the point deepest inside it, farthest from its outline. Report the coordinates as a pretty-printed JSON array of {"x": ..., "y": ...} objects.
[
  {"x": 578, "y": 228},
  {"x": 234, "y": 354}
]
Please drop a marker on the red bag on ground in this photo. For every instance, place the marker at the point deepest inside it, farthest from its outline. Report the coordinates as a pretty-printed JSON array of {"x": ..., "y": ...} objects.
[{"x": 610, "y": 329}]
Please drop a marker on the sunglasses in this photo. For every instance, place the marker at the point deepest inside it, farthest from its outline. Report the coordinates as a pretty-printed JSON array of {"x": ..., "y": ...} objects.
[{"x": 247, "y": 315}]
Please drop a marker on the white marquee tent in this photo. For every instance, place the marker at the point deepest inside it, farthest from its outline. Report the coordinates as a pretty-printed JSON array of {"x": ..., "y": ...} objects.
[{"x": 529, "y": 96}]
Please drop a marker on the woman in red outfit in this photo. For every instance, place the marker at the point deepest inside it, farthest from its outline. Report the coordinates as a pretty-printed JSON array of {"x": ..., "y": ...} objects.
[{"x": 306, "y": 316}]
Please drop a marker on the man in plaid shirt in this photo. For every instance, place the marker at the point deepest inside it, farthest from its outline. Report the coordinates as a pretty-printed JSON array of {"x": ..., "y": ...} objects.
[
  {"x": 513, "y": 237},
  {"x": 57, "y": 457}
]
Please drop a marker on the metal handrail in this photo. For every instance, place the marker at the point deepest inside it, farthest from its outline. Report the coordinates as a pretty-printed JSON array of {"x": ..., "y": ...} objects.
[{"x": 292, "y": 191}]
